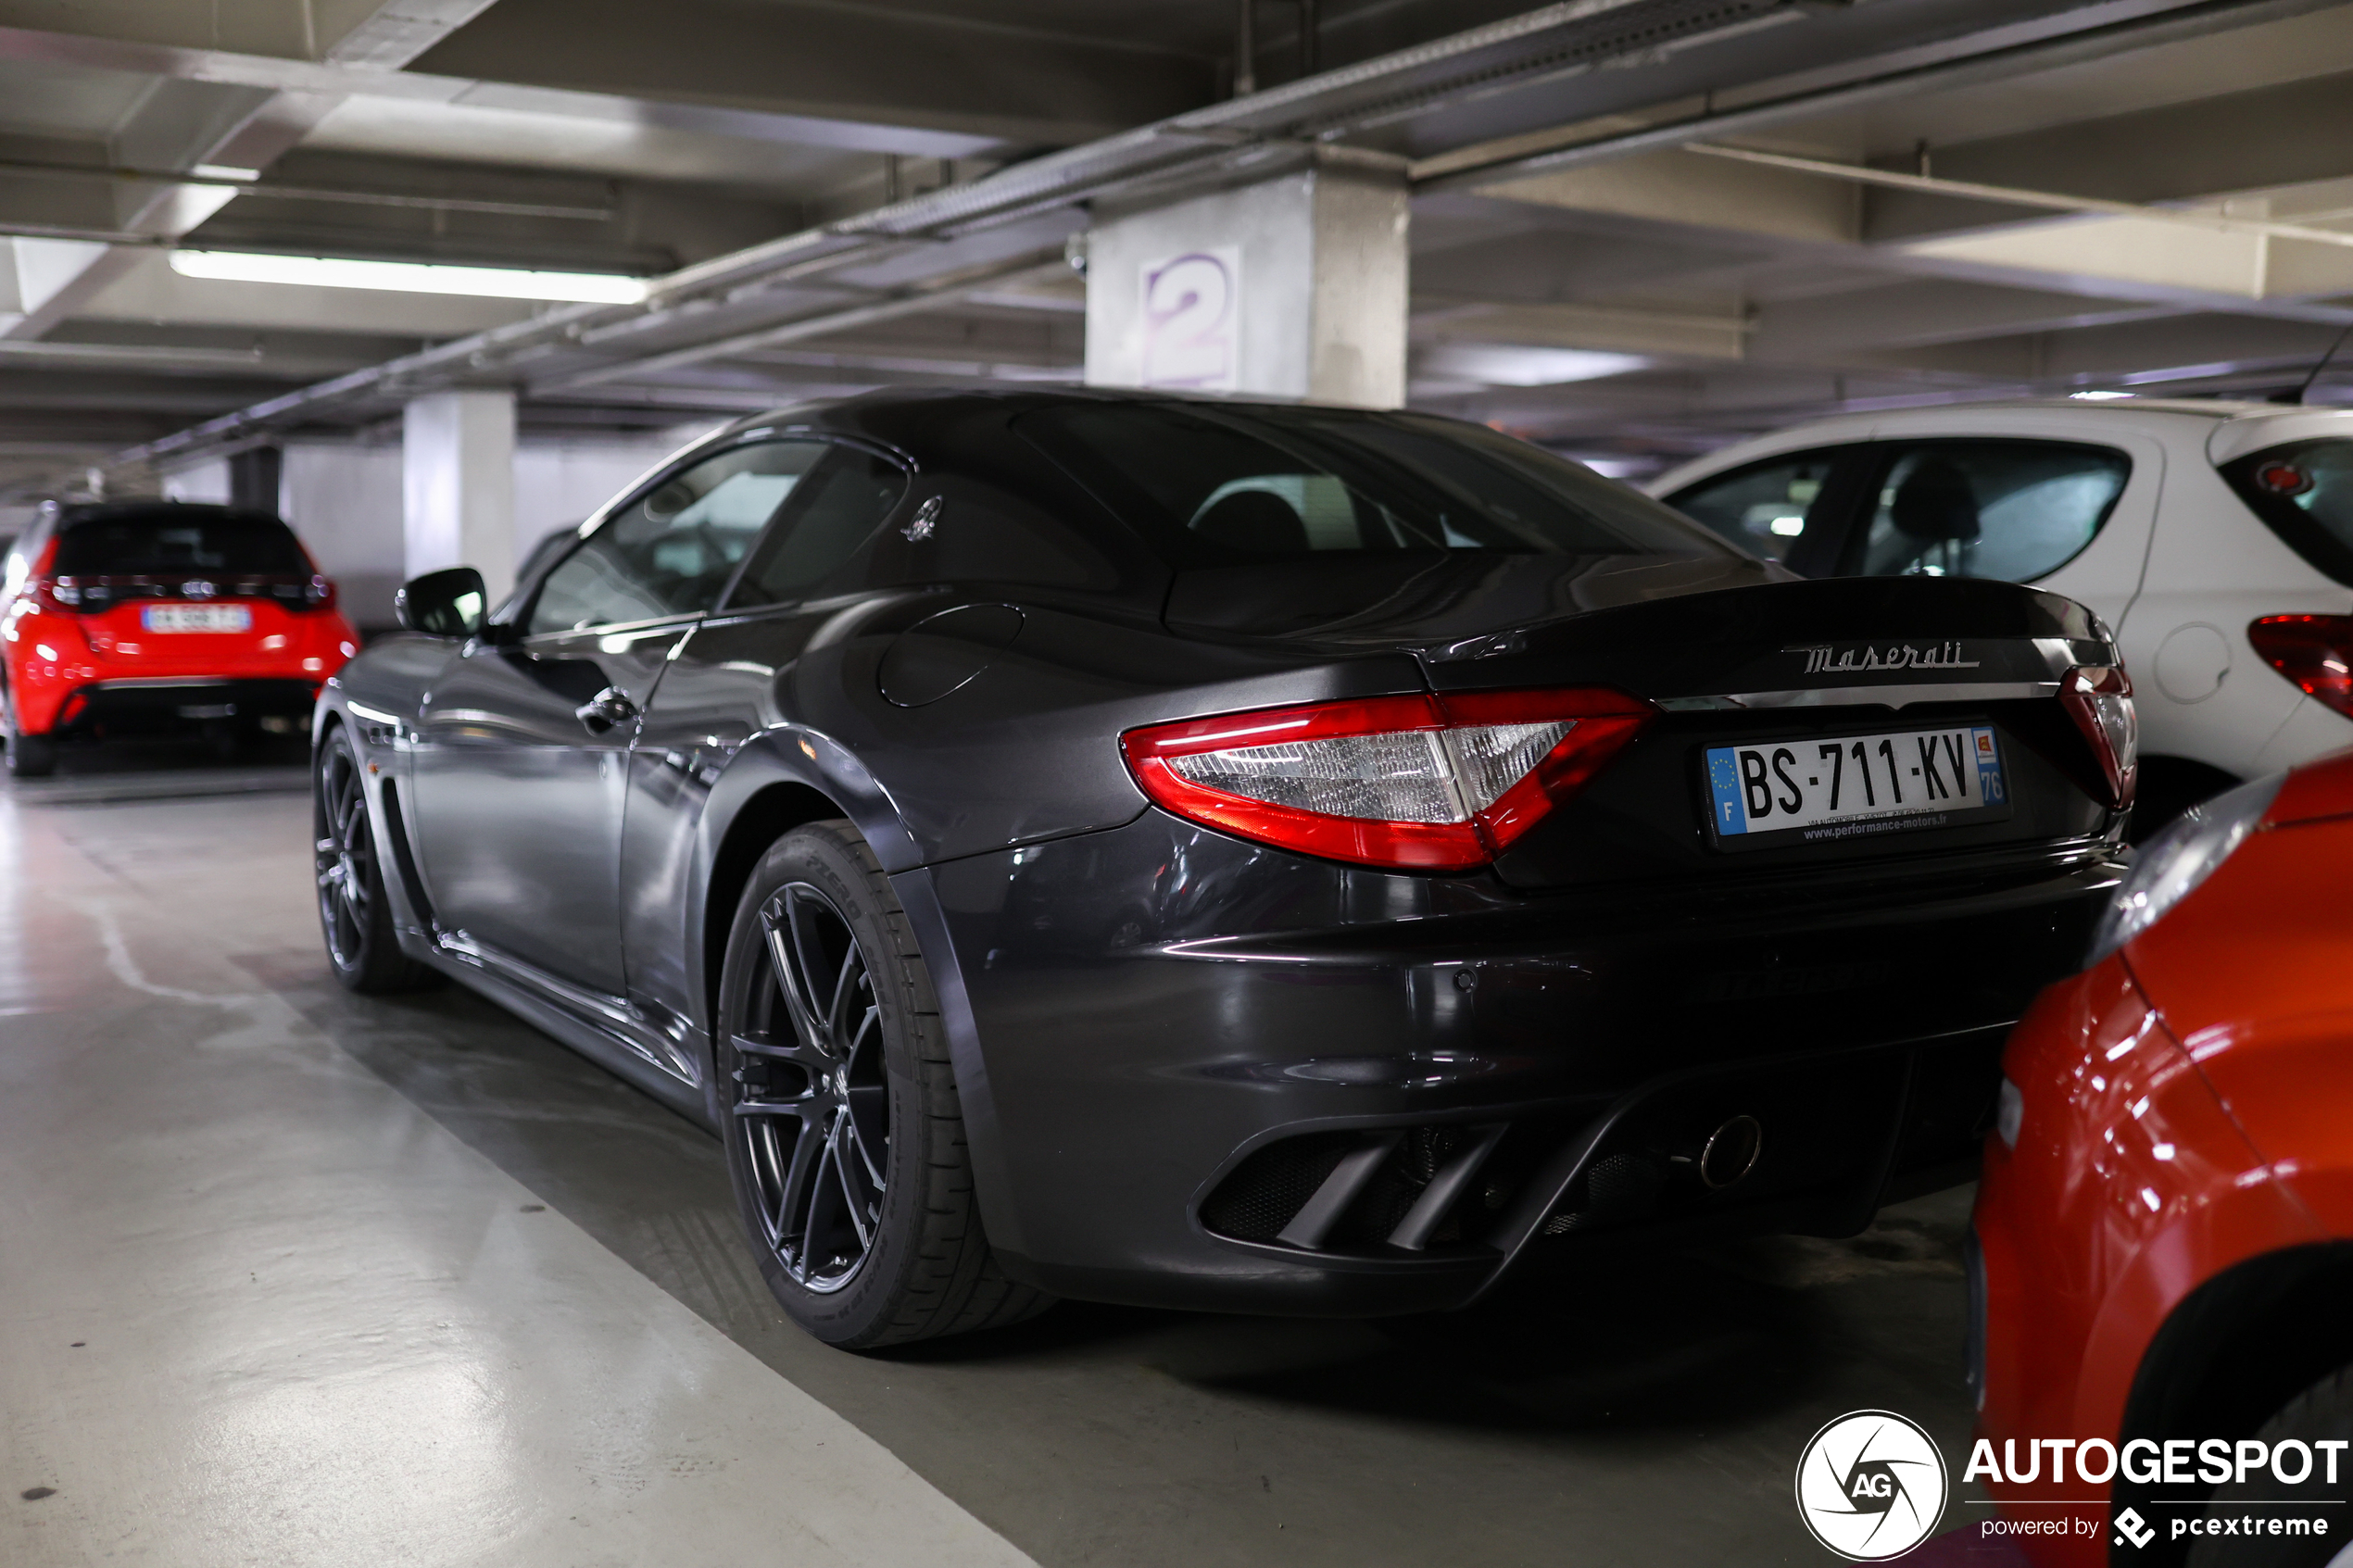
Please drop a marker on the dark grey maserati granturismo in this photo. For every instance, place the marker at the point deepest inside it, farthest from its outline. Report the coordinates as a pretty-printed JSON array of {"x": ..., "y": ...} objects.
[{"x": 1218, "y": 855}]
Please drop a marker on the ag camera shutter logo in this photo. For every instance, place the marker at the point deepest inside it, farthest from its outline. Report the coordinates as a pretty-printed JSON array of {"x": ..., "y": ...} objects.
[{"x": 1871, "y": 1485}]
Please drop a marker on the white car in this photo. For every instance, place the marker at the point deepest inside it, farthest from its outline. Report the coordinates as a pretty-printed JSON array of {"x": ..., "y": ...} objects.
[{"x": 2216, "y": 538}]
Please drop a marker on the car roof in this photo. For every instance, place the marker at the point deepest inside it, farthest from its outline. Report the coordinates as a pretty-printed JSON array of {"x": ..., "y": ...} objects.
[{"x": 2229, "y": 427}]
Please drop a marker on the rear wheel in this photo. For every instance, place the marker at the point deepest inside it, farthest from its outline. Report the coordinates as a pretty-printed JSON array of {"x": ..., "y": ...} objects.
[
  {"x": 354, "y": 915},
  {"x": 2322, "y": 1413},
  {"x": 838, "y": 1105},
  {"x": 29, "y": 757}
]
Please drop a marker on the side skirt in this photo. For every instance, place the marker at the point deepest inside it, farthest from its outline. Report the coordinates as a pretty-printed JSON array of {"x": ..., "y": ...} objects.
[{"x": 538, "y": 1005}]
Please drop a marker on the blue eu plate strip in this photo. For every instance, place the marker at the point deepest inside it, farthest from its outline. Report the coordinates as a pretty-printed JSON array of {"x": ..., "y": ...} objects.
[{"x": 1724, "y": 781}]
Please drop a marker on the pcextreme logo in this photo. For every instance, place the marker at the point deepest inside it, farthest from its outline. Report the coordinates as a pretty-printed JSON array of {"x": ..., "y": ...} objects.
[{"x": 1871, "y": 1485}]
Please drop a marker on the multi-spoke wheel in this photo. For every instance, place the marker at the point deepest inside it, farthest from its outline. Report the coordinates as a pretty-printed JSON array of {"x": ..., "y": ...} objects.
[
  {"x": 354, "y": 915},
  {"x": 838, "y": 1106},
  {"x": 814, "y": 1109}
]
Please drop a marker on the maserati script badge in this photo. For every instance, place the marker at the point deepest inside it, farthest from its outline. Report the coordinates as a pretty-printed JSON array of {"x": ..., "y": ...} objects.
[{"x": 1827, "y": 659}]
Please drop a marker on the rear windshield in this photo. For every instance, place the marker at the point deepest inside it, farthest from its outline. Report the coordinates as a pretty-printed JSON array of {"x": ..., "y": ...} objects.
[
  {"x": 1212, "y": 486},
  {"x": 170, "y": 544},
  {"x": 2305, "y": 491}
]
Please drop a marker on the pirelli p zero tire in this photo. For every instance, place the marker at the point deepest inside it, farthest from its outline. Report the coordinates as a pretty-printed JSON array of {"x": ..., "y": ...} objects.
[
  {"x": 2239, "y": 1518},
  {"x": 355, "y": 917},
  {"x": 837, "y": 1106},
  {"x": 29, "y": 757}
]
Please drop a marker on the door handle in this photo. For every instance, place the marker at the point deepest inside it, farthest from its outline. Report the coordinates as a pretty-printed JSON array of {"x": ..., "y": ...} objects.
[{"x": 607, "y": 708}]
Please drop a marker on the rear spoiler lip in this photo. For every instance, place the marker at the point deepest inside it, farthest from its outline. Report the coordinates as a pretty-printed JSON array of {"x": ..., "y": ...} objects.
[
  {"x": 1879, "y": 696},
  {"x": 2057, "y": 656}
]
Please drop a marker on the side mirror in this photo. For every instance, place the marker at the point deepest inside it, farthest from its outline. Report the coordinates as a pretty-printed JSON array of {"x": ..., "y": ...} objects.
[{"x": 449, "y": 603}]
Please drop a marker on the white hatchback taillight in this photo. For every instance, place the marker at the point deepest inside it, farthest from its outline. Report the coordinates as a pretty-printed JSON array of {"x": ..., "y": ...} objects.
[
  {"x": 2099, "y": 699},
  {"x": 1422, "y": 783}
]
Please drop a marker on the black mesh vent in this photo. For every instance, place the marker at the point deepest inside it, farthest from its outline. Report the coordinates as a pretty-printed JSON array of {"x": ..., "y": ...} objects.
[{"x": 1265, "y": 1190}]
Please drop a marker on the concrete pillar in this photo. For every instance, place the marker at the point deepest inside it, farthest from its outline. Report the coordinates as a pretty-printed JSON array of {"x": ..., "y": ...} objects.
[
  {"x": 1293, "y": 287},
  {"x": 458, "y": 485},
  {"x": 254, "y": 478}
]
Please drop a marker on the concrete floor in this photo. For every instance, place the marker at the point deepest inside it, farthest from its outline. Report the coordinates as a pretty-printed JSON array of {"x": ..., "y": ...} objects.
[{"x": 290, "y": 1277}]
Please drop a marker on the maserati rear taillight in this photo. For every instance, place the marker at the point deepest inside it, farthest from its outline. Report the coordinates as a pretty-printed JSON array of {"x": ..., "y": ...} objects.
[
  {"x": 1424, "y": 783},
  {"x": 2099, "y": 699},
  {"x": 2314, "y": 651}
]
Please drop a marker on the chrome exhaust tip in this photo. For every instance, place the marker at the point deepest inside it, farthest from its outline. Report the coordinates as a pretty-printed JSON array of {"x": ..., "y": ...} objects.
[{"x": 1732, "y": 1152}]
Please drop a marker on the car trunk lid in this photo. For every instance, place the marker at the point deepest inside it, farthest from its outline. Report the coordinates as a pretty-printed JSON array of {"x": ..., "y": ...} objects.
[{"x": 1958, "y": 680}]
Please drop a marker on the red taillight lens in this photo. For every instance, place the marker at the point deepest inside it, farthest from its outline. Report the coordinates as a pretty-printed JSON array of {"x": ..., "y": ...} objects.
[
  {"x": 2099, "y": 699},
  {"x": 59, "y": 594},
  {"x": 1409, "y": 783},
  {"x": 2315, "y": 651}
]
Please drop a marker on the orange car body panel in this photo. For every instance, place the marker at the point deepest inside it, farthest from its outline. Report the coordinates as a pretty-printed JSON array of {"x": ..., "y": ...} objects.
[{"x": 2183, "y": 1113}]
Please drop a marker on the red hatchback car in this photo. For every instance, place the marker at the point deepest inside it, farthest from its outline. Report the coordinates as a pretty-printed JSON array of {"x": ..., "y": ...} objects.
[
  {"x": 2161, "y": 1265},
  {"x": 143, "y": 614}
]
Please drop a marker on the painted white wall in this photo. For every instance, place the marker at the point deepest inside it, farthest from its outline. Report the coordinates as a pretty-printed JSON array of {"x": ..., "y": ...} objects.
[
  {"x": 346, "y": 501},
  {"x": 206, "y": 482}
]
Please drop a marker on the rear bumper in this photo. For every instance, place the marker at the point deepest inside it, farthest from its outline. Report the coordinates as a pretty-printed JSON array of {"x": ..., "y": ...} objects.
[
  {"x": 1218, "y": 1076},
  {"x": 167, "y": 702}
]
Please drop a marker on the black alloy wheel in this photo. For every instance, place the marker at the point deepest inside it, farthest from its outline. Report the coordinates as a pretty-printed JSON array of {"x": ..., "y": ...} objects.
[
  {"x": 837, "y": 1106},
  {"x": 354, "y": 915},
  {"x": 2322, "y": 1413},
  {"x": 29, "y": 757},
  {"x": 813, "y": 1106}
]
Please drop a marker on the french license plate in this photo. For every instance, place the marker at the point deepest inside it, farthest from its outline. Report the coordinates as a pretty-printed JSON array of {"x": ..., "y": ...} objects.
[
  {"x": 1825, "y": 789},
  {"x": 197, "y": 618}
]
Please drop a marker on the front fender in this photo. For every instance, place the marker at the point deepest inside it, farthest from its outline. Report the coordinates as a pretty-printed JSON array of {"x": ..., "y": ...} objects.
[{"x": 790, "y": 774}]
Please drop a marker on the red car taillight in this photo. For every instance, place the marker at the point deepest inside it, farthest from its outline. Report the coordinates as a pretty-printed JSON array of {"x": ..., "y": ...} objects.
[
  {"x": 58, "y": 593},
  {"x": 2314, "y": 651},
  {"x": 1409, "y": 783},
  {"x": 2099, "y": 699}
]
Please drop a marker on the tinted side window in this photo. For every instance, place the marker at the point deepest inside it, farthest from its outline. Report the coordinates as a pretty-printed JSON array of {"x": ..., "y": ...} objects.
[
  {"x": 1768, "y": 508},
  {"x": 1215, "y": 485},
  {"x": 2304, "y": 490},
  {"x": 836, "y": 512},
  {"x": 672, "y": 550},
  {"x": 2009, "y": 509}
]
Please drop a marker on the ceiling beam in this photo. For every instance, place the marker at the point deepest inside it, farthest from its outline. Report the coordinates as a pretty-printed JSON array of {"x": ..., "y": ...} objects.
[
  {"x": 1995, "y": 56},
  {"x": 2287, "y": 133},
  {"x": 184, "y": 123}
]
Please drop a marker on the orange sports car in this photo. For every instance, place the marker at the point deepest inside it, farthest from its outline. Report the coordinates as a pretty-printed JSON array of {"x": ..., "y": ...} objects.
[
  {"x": 2161, "y": 1262},
  {"x": 137, "y": 614}
]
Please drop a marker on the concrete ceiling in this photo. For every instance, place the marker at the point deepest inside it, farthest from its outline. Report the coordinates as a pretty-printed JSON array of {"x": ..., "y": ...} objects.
[{"x": 1722, "y": 296}]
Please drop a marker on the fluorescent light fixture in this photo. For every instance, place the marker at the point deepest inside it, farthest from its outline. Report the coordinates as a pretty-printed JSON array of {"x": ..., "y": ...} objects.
[
  {"x": 1506, "y": 365},
  {"x": 223, "y": 172},
  {"x": 407, "y": 277},
  {"x": 2097, "y": 396}
]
